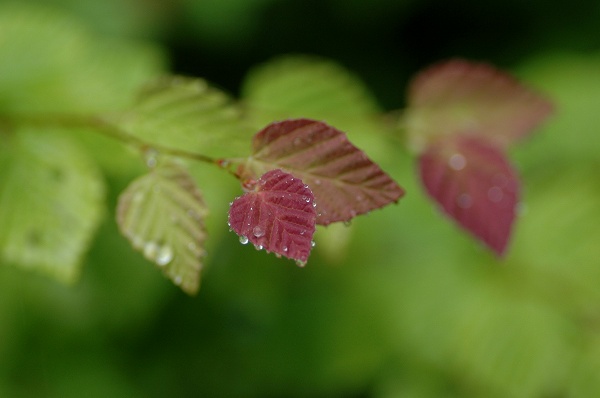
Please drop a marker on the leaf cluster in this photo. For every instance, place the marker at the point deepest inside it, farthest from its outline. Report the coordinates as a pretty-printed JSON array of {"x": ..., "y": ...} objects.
[{"x": 303, "y": 170}]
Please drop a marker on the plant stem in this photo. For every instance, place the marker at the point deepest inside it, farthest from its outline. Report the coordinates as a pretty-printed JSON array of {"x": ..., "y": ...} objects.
[{"x": 102, "y": 125}]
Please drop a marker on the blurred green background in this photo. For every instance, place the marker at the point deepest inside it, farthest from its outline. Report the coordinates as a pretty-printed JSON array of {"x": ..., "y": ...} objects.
[{"x": 408, "y": 306}]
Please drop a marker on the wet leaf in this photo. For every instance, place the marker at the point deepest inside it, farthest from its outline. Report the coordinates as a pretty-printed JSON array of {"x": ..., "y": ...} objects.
[
  {"x": 474, "y": 184},
  {"x": 278, "y": 214},
  {"x": 51, "y": 199},
  {"x": 187, "y": 114},
  {"x": 162, "y": 214},
  {"x": 470, "y": 98},
  {"x": 345, "y": 182}
]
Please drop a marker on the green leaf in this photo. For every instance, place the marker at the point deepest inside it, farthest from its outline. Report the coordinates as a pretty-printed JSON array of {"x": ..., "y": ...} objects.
[
  {"x": 162, "y": 214},
  {"x": 51, "y": 199},
  {"x": 51, "y": 63},
  {"x": 310, "y": 87},
  {"x": 187, "y": 114}
]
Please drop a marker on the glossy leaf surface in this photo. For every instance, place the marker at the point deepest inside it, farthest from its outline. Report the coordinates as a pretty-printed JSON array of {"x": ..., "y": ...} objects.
[
  {"x": 162, "y": 214},
  {"x": 345, "y": 182},
  {"x": 277, "y": 215},
  {"x": 474, "y": 184}
]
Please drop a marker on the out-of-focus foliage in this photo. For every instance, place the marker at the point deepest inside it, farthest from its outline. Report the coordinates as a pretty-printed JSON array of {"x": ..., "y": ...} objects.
[{"x": 413, "y": 307}]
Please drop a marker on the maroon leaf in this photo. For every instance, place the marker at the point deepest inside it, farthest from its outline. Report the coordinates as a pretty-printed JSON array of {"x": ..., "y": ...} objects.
[
  {"x": 277, "y": 215},
  {"x": 344, "y": 180},
  {"x": 462, "y": 97},
  {"x": 474, "y": 184}
]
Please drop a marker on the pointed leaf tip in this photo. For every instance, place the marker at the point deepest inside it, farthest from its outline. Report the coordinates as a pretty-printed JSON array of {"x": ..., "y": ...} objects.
[
  {"x": 278, "y": 215},
  {"x": 162, "y": 214},
  {"x": 475, "y": 185},
  {"x": 345, "y": 182},
  {"x": 458, "y": 96}
]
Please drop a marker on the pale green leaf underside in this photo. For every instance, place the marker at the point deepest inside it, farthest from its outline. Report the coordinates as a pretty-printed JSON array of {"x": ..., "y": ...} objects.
[
  {"x": 188, "y": 114},
  {"x": 51, "y": 200},
  {"x": 162, "y": 214},
  {"x": 309, "y": 87}
]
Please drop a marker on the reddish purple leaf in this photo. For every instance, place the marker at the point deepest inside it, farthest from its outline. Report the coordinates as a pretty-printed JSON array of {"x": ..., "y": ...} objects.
[
  {"x": 474, "y": 184},
  {"x": 277, "y": 215},
  {"x": 344, "y": 180},
  {"x": 462, "y": 97}
]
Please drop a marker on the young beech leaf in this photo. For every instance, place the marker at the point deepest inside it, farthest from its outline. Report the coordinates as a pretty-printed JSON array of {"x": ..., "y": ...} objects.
[
  {"x": 475, "y": 185},
  {"x": 51, "y": 197},
  {"x": 278, "y": 214},
  {"x": 162, "y": 215},
  {"x": 459, "y": 96},
  {"x": 344, "y": 180},
  {"x": 187, "y": 114},
  {"x": 285, "y": 87}
]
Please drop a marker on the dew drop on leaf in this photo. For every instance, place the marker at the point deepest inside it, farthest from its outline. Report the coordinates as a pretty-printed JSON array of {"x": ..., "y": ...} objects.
[
  {"x": 457, "y": 162},
  {"x": 243, "y": 239},
  {"x": 464, "y": 201},
  {"x": 151, "y": 156},
  {"x": 313, "y": 243},
  {"x": 150, "y": 250},
  {"x": 495, "y": 194},
  {"x": 300, "y": 264},
  {"x": 258, "y": 231},
  {"x": 164, "y": 255}
]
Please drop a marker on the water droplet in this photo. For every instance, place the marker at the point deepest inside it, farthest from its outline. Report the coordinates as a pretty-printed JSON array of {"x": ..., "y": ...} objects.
[
  {"x": 150, "y": 250},
  {"x": 258, "y": 247},
  {"x": 464, "y": 201},
  {"x": 306, "y": 199},
  {"x": 457, "y": 162},
  {"x": 285, "y": 249},
  {"x": 151, "y": 156},
  {"x": 314, "y": 204},
  {"x": 243, "y": 239},
  {"x": 300, "y": 263},
  {"x": 230, "y": 203},
  {"x": 313, "y": 243},
  {"x": 348, "y": 223},
  {"x": 258, "y": 231},
  {"x": 164, "y": 255},
  {"x": 495, "y": 194}
]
